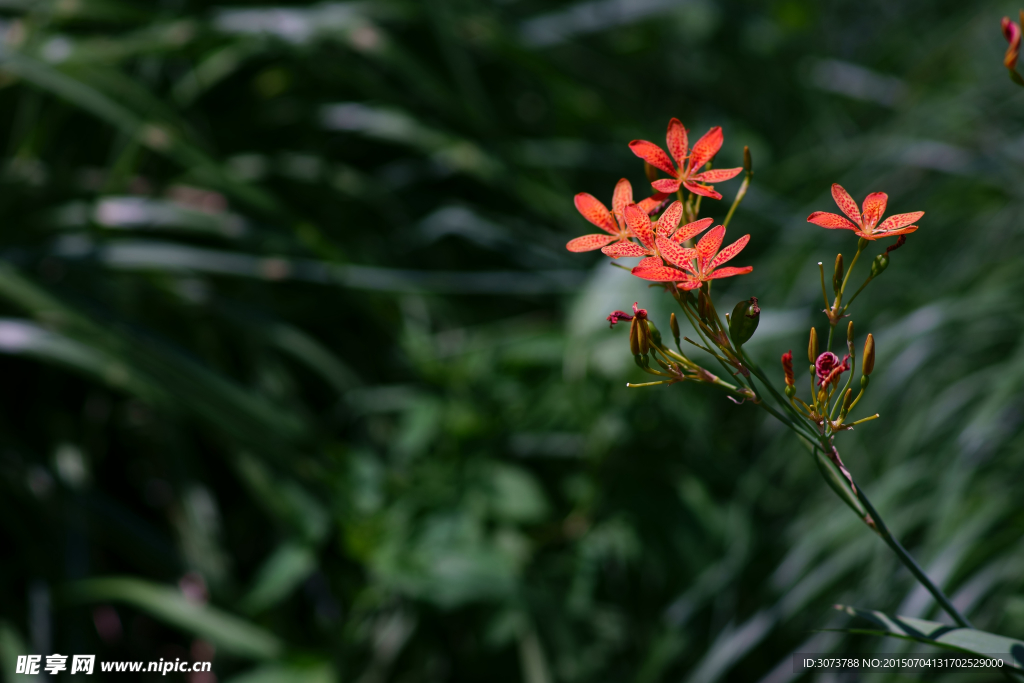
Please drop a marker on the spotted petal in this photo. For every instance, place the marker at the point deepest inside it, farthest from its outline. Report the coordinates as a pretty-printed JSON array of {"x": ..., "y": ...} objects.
[
  {"x": 874, "y": 208},
  {"x": 649, "y": 262},
  {"x": 589, "y": 242},
  {"x": 879, "y": 234},
  {"x": 845, "y": 202},
  {"x": 830, "y": 220},
  {"x": 703, "y": 190},
  {"x": 729, "y": 272},
  {"x": 640, "y": 223},
  {"x": 667, "y": 185},
  {"x": 669, "y": 220},
  {"x": 729, "y": 252},
  {"x": 706, "y": 148},
  {"x": 717, "y": 175},
  {"x": 677, "y": 142},
  {"x": 660, "y": 274},
  {"x": 595, "y": 212},
  {"x": 689, "y": 282},
  {"x": 622, "y": 197},
  {"x": 652, "y": 154},
  {"x": 899, "y": 220},
  {"x": 624, "y": 249},
  {"x": 691, "y": 230},
  {"x": 708, "y": 246},
  {"x": 652, "y": 203},
  {"x": 677, "y": 255}
]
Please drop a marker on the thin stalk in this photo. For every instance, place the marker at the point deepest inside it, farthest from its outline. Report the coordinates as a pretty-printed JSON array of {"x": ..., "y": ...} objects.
[{"x": 909, "y": 562}]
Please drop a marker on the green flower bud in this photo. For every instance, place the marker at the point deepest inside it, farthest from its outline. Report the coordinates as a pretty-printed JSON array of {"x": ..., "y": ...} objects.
[
  {"x": 745, "y": 317},
  {"x": 812, "y": 348},
  {"x": 674, "y": 325},
  {"x": 837, "y": 276},
  {"x": 879, "y": 265},
  {"x": 655, "y": 335}
]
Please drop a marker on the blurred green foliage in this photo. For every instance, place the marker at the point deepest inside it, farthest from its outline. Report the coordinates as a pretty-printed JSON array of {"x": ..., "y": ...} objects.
[{"x": 296, "y": 364}]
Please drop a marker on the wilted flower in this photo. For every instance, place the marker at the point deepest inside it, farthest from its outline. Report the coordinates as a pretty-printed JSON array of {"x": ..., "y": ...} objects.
[
  {"x": 612, "y": 222},
  {"x": 787, "y": 367},
  {"x": 864, "y": 224},
  {"x": 828, "y": 368},
  {"x": 1012, "y": 33},
  {"x": 689, "y": 161},
  {"x": 619, "y": 316}
]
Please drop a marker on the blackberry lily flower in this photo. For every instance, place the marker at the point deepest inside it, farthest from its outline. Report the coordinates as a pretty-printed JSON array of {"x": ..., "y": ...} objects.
[
  {"x": 865, "y": 224},
  {"x": 688, "y": 162},
  {"x": 612, "y": 222},
  {"x": 666, "y": 227},
  {"x": 694, "y": 266}
]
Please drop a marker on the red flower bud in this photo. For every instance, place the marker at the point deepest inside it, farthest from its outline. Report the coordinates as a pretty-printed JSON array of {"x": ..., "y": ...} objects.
[
  {"x": 1011, "y": 32},
  {"x": 787, "y": 367}
]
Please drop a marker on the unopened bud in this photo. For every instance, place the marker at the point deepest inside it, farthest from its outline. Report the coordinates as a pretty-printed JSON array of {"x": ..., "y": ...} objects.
[
  {"x": 748, "y": 164},
  {"x": 653, "y": 333},
  {"x": 790, "y": 390},
  {"x": 837, "y": 275},
  {"x": 847, "y": 400},
  {"x": 812, "y": 347},
  {"x": 634, "y": 338},
  {"x": 674, "y": 325},
  {"x": 849, "y": 332},
  {"x": 650, "y": 172},
  {"x": 702, "y": 305},
  {"x": 643, "y": 337},
  {"x": 869, "y": 355},
  {"x": 879, "y": 265},
  {"x": 743, "y": 322}
]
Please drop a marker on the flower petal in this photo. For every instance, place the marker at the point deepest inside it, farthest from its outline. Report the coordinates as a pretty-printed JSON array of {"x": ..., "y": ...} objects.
[
  {"x": 677, "y": 255},
  {"x": 652, "y": 203},
  {"x": 640, "y": 223},
  {"x": 879, "y": 234},
  {"x": 830, "y": 220},
  {"x": 729, "y": 272},
  {"x": 703, "y": 190},
  {"x": 649, "y": 262},
  {"x": 898, "y": 221},
  {"x": 595, "y": 212},
  {"x": 667, "y": 185},
  {"x": 689, "y": 282},
  {"x": 729, "y": 252},
  {"x": 654, "y": 155},
  {"x": 717, "y": 175},
  {"x": 874, "y": 207},
  {"x": 708, "y": 246},
  {"x": 622, "y": 197},
  {"x": 589, "y": 242},
  {"x": 691, "y": 230},
  {"x": 706, "y": 148},
  {"x": 669, "y": 220},
  {"x": 845, "y": 202},
  {"x": 624, "y": 249},
  {"x": 660, "y": 274},
  {"x": 677, "y": 143}
]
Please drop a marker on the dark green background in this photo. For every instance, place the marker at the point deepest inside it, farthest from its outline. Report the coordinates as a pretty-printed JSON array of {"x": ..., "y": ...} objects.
[{"x": 286, "y": 306}]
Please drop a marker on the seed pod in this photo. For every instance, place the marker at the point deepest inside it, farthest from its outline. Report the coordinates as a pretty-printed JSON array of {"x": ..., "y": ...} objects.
[
  {"x": 869, "y": 355},
  {"x": 879, "y": 265},
  {"x": 812, "y": 347},
  {"x": 790, "y": 391},
  {"x": 743, "y": 322},
  {"x": 634, "y": 338},
  {"x": 674, "y": 325},
  {"x": 837, "y": 275}
]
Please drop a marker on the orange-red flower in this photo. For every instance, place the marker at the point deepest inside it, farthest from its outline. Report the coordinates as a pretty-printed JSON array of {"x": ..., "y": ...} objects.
[
  {"x": 1012, "y": 33},
  {"x": 693, "y": 266},
  {"x": 612, "y": 222},
  {"x": 667, "y": 226},
  {"x": 689, "y": 161},
  {"x": 865, "y": 224}
]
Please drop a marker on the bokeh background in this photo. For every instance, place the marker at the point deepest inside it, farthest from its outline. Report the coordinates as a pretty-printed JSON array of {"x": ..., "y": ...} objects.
[{"x": 298, "y": 373}]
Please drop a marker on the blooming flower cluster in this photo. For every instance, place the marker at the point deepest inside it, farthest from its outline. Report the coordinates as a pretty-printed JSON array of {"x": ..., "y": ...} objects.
[{"x": 677, "y": 247}]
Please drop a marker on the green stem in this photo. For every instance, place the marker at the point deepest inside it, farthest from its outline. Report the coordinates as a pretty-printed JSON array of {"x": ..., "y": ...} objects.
[{"x": 909, "y": 562}]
